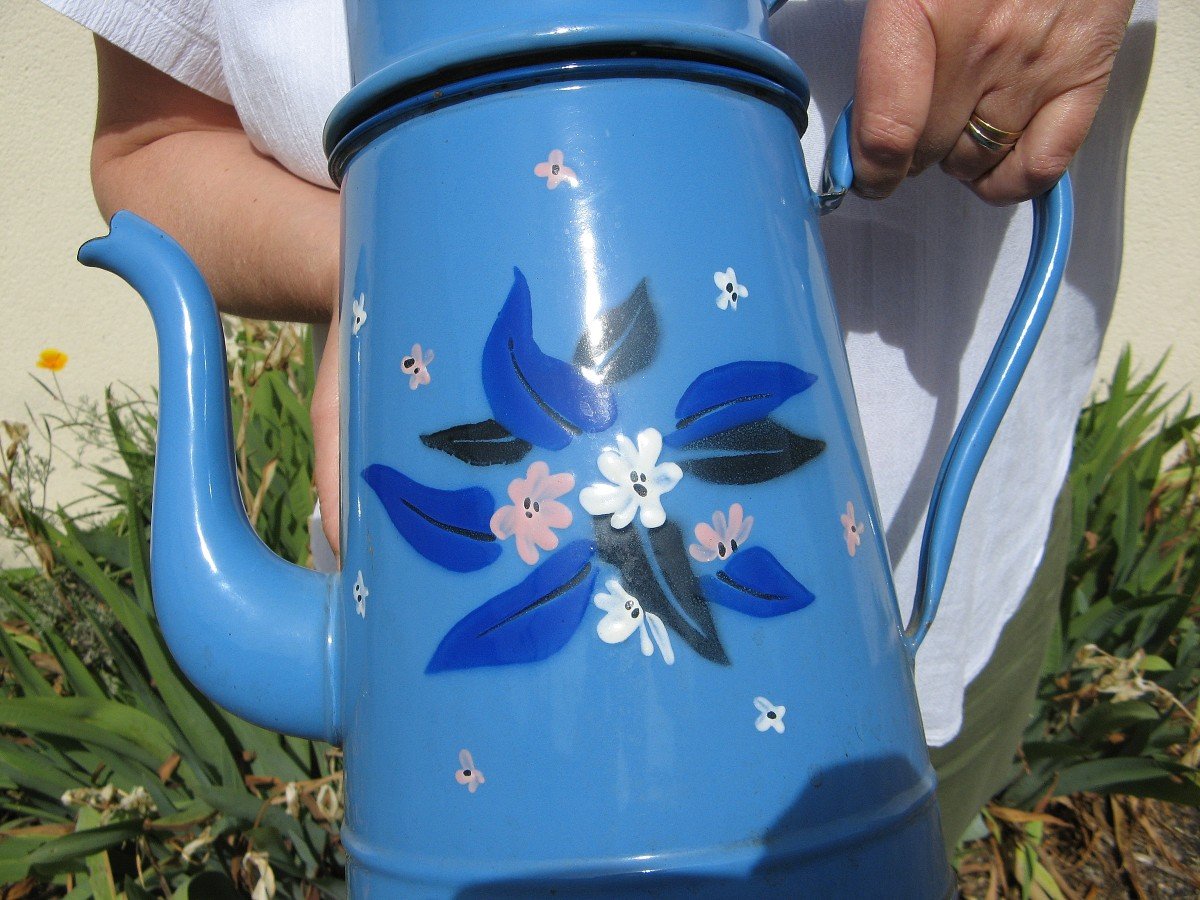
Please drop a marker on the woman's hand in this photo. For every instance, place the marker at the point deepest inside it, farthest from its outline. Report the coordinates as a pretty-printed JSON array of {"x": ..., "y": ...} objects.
[{"x": 1038, "y": 67}]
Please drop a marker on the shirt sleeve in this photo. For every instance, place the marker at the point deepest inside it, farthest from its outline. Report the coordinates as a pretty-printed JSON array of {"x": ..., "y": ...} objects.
[{"x": 178, "y": 37}]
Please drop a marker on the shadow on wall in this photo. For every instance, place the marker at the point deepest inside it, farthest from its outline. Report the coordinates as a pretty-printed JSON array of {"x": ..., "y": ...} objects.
[{"x": 907, "y": 854}]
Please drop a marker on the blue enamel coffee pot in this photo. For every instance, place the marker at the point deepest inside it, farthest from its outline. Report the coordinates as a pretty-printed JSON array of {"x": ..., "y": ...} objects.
[{"x": 615, "y": 616}]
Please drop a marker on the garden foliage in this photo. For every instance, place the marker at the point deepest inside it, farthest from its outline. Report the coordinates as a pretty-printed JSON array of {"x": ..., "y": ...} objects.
[
  {"x": 117, "y": 779},
  {"x": 1117, "y": 707}
]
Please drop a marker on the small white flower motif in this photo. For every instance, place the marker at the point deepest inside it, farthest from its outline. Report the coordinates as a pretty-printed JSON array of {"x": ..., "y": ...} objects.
[
  {"x": 731, "y": 291},
  {"x": 624, "y": 615},
  {"x": 852, "y": 529},
  {"x": 360, "y": 595},
  {"x": 638, "y": 482},
  {"x": 769, "y": 715},
  {"x": 555, "y": 172},
  {"x": 360, "y": 313},
  {"x": 467, "y": 774}
]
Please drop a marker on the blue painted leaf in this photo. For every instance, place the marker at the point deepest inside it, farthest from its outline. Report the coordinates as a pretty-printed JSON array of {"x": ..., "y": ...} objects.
[
  {"x": 734, "y": 394},
  {"x": 755, "y": 583},
  {"x": 450, "y": 528},
  {"x": 527, "y": 623},
  {"x": 538, "y": 398},
  {"x": 621, "y": 341}
]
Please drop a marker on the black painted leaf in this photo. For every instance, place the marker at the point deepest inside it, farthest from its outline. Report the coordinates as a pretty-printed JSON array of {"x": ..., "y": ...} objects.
[
  {"x": 654, "y": 585},
  {"x": 485, "y": 443},
  {"x": 754, "y": 582},
  {"x": 750, "y": 454},
  {"x": 450, "y": 528},
  {"x": 734, "y": 394},
  {"x": 621, "y": 341},
  {"x": 527, "y": 623}
]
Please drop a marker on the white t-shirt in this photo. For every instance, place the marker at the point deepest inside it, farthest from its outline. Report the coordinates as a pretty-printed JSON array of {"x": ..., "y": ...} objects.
[{"x": 923, "y": 281}]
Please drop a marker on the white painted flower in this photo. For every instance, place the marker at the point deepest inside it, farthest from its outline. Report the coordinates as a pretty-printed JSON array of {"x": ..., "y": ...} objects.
[
  {"x": 769, "y": 715},
  {"x": 623, "y": 615},
  {"x": 731, "y": 291},
  {"x": 638, "y": 482},
  {"x": 360, "y": 313},
  {"x": 360, "y": 595}
]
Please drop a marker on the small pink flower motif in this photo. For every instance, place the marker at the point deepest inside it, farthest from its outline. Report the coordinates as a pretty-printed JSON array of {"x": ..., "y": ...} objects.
[
  {"x": 416, "y": 366},
  {"x": 535, "y": 511},
  {"x": 853, "y": 529},
  {"x": 468, "y": 774},
  {"x": 723, "y": 536},
  {"x": 554, "y": 171}
]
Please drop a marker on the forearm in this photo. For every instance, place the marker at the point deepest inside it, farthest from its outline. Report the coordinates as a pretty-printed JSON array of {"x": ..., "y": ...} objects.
[{"x": 266, "y": 241}]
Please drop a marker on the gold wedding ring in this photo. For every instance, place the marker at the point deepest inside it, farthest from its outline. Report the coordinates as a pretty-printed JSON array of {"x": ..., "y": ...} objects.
[{"x": 989, "y": 137}]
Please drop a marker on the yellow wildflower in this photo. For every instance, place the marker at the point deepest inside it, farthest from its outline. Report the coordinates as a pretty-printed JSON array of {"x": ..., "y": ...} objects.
[{"x": 52, "y": 359}]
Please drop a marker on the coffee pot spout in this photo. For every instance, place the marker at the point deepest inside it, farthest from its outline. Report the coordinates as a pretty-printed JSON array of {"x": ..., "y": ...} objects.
[{"x": 252, "y": 631}]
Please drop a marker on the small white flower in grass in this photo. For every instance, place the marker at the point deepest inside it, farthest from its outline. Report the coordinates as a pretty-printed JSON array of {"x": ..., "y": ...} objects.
[
  {"x": 769, "y": 715},
  {"x": 638, "y": 482},
  {"x": 623, "y": 615},
  {"x": 731, "y": 291},
  {"x": 360, "y": 313},
  {"x": 259, "y": 863},
  {"x": 360, "y": 595}
]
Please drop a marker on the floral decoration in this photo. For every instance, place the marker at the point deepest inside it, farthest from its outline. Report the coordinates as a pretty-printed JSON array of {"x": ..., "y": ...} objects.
[
  {"x": 724, "y": 433},
  {"x": 52, "y": 359},
  {"x": 852, "y": 528},
  {"x": 467, "y": 773},
  {"x": 555, "y": 172},
  {"x": 637, "y": 482},
  {"x": 623, "y": 615},
  {"x": 731, "y": 291},
  {"x": 416, "y": 366},
  {"x": 535, "y": 511},
  {"x": 359, "y": 306},
  {"x": 360, "y": 595},
  {"x": 723, "y": 536},
  {"x": 769, "y": 715}
]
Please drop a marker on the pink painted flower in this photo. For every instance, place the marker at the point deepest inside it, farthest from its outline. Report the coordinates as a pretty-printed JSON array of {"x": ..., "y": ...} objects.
[
  {"x": 535, "y": 511},
  {"x": 723, "y": 536},
  {"x": 468, "y": 774},
  {"x": 554, "y": 171},
  {"x": 416, "y": 366},
  {"x": 853, "y": 529}
]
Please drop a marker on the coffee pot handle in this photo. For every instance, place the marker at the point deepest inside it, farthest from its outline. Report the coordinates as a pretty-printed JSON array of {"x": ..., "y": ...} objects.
[{"x": 1052, "y": 219}]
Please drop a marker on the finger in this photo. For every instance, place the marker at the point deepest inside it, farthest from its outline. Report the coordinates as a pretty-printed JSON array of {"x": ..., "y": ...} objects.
[
  {"x": 969, "y": 160},
  {"x": 892, "y": 94},
  {"x": 1045, "y": 149},
  {"x": 326, "y": 430}
]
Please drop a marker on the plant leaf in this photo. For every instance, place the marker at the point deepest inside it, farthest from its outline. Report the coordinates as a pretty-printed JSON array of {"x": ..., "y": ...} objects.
[
  {"x": 450, "y": 528},
  {"x": 669, "y": 576},
  {"x": 107, "y": 724},
  {"x": 754, "y": 582},
  {"x": 191, "y": 712},
  {"x": 486, "y": 443},
  {"x": 539, "y": 398},
  {"x": 750, "y": 454},
  {"x": 527, "y": 623},
  {"x": 734, "y": 394},
  {"x": 621, "y": 341}
]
